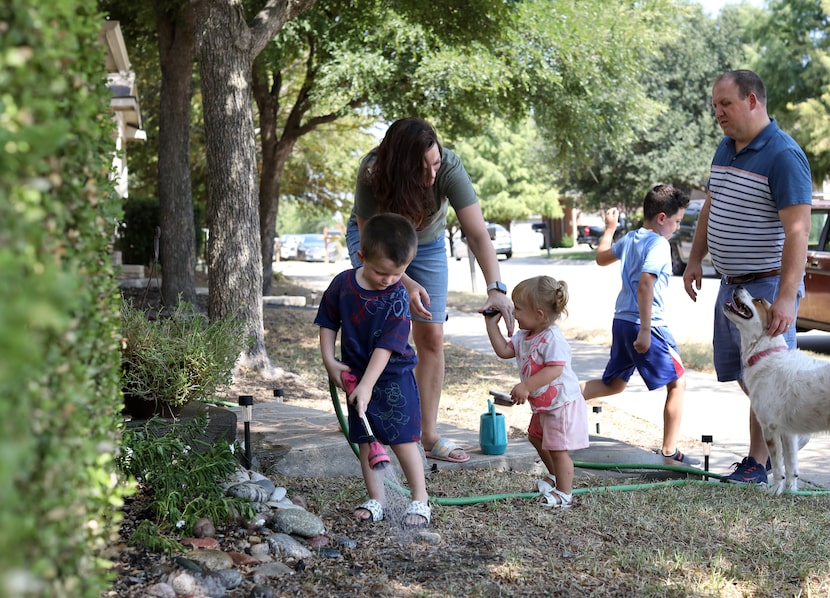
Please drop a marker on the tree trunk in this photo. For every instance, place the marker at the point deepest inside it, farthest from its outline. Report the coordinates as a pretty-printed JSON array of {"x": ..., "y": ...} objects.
[
  {"x": 235, "y": 262},
  {"x": 270, "y": 177},
  {"x": 178, "y": 238},
  {"x": 269, "y": 198},
  {"x": 275, "y": 153}
]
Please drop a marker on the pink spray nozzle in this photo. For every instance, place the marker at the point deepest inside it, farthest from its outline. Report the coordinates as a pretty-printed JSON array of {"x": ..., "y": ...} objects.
[{"x": 377, "y": 454}]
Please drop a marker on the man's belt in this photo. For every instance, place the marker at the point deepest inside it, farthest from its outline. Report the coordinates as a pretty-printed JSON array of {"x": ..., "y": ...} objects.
[{"x": 745, "y": 278}]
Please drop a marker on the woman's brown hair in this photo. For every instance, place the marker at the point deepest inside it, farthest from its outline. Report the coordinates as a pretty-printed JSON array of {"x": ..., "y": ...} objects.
[{"x": 398, "y": 177}]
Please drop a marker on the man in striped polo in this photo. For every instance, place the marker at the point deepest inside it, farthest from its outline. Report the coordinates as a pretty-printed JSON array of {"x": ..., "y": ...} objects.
[{"x": 755, "y": 225}]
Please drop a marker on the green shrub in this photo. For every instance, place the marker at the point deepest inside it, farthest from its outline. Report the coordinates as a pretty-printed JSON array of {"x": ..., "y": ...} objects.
[
  {"x": 59, "y": 317},
  {"x": 179, "y": 358},
  {"x": 182, "y": 472}
]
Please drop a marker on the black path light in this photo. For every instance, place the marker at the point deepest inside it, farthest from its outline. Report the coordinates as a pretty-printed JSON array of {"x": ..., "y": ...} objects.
[
  {"x": 706, "y": 439},
  {"x": 597, "y": 409},
  {"x": 247, "y": 403}
]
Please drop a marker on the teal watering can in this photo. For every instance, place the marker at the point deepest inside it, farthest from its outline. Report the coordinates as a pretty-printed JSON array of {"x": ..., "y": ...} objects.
[{"x": 492, "y": 434}]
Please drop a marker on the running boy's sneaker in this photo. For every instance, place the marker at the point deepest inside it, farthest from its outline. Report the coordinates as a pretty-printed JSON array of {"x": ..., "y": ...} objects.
[
  {"x": 678, "y": 458},
  {"x": 748, "y": 471}
]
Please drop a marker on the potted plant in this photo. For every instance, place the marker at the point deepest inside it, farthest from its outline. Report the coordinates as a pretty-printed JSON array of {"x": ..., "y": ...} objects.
[{"x": 168, "y": 362}]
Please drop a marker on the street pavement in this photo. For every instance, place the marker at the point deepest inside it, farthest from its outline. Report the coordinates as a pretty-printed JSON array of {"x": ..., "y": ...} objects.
[{"x": 296, "y": 441}]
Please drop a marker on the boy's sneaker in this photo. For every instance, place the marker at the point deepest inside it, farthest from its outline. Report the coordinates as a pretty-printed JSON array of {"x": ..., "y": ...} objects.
[
  {"x": 748, "y": 471},
  {"x": 678, "y": 458}
]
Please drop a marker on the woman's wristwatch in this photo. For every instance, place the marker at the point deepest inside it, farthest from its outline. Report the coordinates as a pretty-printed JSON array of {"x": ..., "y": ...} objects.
[{"x": 497, "y": 286}]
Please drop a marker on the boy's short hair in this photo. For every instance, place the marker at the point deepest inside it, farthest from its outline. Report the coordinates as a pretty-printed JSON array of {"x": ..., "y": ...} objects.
[
  {"x": 389, "y": 236},
  {"x": 664, "y": 198}
]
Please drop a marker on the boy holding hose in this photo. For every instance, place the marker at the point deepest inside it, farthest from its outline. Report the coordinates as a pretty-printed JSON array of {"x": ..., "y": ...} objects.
[{"x": 371, "y": 306}]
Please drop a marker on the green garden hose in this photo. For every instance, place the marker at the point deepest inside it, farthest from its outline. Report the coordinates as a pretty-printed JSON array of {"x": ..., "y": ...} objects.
[{"x": 469, "y": 500}]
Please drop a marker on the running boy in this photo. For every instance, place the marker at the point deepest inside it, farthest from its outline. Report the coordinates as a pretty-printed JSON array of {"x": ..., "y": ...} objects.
[
  {"x": 371, "y": 306},
  {"x": 559, "y": 422},
  {"x": 640, "y": 337}
]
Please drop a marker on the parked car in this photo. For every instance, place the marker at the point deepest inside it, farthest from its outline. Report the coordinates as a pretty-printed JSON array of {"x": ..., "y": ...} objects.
[
  {"x": 500, "y": 237},
  {"x": 288, "y": 246},
  {"x": 313, "y": 248},
  {"x": 814, "y": 310},
  {"x": 681, "y": 242}
]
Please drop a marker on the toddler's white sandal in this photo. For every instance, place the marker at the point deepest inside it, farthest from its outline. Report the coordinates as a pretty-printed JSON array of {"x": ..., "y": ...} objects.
[
  {"x": 421, "y": 509},
  {"x": 375, "y": 511},
  {"x": 556, "y": 499},
  {"x": 546, "y": 484}
]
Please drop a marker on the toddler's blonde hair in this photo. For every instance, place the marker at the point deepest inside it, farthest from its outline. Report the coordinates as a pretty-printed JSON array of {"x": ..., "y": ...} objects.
[{"x": 545, "y": 293}]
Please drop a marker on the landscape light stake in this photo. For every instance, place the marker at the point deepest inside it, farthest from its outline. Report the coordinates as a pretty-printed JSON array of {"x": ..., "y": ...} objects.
[
  {"x": 247, "y": 402},
  {"x": 706, "y": 439},
  {"x": 597, "y": 409}
]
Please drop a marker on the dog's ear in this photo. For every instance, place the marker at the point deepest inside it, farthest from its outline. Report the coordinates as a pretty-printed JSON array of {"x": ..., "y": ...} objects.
[
  {"x": 762, "y": 306},
  {"x": 763, "y": 302}
]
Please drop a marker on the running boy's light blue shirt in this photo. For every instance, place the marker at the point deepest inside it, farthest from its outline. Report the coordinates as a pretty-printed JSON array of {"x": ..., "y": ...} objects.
[{"x": 641, "y": 251}]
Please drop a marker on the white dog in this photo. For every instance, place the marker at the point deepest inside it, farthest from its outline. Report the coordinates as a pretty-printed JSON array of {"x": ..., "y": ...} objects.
[{"x": 788, "y": 390}]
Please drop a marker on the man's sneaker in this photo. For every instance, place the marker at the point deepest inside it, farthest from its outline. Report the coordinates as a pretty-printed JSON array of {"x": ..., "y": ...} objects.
[
  {"x": 678, "y": 458},
  {"x": 748, "y": 471}
]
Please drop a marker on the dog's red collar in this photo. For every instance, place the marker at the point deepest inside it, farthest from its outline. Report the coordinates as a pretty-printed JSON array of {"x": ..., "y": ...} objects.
[{"x": 757, "y": 357}]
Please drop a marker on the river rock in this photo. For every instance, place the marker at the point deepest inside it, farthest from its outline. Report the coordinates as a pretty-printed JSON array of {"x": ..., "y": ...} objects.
[
  {"x": 278, "y": 494},
  {"x": 283, "y": 544},
  {"x": 237, "y": 477},
  {"x": 262, "y": 591},
  {"x": 244, "y": 559},
  {"x": 159, "y": 590},
  {"x": 267, "y": 484},
  {"x": 230, "y": 577},
  {"x": 204, "y": 528},
  {"x": 297, "y": 521},
  {"x": 249, "y": 491},
  {"x": 269, "y": 570},
  {"x": 193, "y": 583},
  {"x": 211, "y": 543},
  {"x": 261, "y": 552},
  {"x": 283, "y": 503},
  {"x": 214, "y": 560}
]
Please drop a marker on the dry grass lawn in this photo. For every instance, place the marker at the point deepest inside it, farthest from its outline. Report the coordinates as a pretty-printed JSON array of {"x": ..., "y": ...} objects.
[{"x": 689, "y": 539}]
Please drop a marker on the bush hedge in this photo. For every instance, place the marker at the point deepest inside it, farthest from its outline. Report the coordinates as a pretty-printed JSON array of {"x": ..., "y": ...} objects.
[{"x": 59, "y": 319}]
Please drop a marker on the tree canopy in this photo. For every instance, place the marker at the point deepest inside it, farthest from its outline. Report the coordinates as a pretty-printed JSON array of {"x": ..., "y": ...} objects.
[
  {"x": 617, "y": 95},
  {"x": 792, "y": 56},
  {"x": 678, "y": 135},
  {"x": 510, "y": 167}
]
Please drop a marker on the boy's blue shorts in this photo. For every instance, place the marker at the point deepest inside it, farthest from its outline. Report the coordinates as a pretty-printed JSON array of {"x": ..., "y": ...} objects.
[{"x": 658, "y": 366}]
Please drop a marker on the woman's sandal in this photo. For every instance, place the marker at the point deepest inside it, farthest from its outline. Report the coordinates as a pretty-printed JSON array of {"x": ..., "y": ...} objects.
[
  {"x": 443, "y": 451},
  {"x": 374, "y": 508},
  {"x": 556, "y": 499},
  {"x": 420, "y": 509},
  {"x": 546, "y": 484}
]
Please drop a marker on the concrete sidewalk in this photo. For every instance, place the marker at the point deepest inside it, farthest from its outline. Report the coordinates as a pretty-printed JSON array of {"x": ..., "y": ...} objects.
[{"x": 296, "y": 441}]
